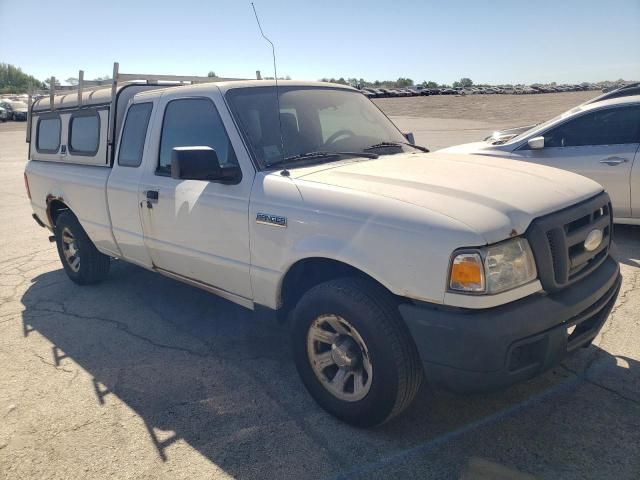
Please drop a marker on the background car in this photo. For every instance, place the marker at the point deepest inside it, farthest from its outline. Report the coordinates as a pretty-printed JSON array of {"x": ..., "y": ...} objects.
[
  {"x": 387, "y": 92},
  {"x": 4, "y": 115},
  {"x": 367, "y": 93},
  {"x": 624, "y": 91},
  {"x": 502, "y": 136},
  {"x": 16, "y": 110},
  {"x": 600, "y": 140}
]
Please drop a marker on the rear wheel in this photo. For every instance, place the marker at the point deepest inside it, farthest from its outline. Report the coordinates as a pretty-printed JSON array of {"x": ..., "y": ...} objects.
[
  {"x": 82, "y": 262},
  {"x": 354, "y": 353}
]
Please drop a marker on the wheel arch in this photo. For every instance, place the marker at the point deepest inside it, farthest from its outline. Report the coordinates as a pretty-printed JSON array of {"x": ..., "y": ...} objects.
[
  {"x": 308, "y": 272},
  {"x": 55, "y": 206}
]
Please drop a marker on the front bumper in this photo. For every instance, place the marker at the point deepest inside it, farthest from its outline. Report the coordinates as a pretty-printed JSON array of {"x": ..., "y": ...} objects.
[{"x": 466, "y": 350}]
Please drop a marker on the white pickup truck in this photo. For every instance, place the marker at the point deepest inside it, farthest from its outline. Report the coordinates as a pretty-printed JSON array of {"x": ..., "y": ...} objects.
[{"x": 392, "y": 264}]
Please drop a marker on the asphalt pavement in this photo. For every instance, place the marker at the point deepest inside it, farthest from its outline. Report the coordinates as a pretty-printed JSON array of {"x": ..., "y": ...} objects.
[{"x": 147, "y": 378}]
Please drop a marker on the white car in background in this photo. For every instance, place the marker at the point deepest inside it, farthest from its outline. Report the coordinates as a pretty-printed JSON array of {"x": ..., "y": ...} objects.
[{"x": 599, "y": 140}]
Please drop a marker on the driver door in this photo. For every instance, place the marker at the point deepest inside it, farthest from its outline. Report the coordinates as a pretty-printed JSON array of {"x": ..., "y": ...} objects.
[{"x": 194, "y": 229}]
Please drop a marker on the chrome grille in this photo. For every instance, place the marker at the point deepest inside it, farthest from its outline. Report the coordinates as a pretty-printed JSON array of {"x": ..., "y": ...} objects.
[{"x": 558, "y": 242}]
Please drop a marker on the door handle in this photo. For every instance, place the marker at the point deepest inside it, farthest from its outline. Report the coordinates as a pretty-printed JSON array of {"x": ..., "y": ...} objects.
[
  {"x": 152, "y": 197},
  {"x": 613, "y": 161}
]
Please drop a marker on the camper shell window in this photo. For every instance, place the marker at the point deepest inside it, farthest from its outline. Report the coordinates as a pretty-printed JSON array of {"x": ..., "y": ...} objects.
[
  {"x": 48, "y": 133},
  {"x": 84, "y": 133}
]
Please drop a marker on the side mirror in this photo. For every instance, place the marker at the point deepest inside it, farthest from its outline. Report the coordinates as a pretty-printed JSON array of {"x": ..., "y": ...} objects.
[
  {"x": 196, "y": 163},
  {"x": 409, "y": 137},
  {"x": 536, "y": 143}
]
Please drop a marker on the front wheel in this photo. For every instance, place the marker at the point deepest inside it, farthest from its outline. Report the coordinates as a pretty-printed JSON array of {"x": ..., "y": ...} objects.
[
  {"x": 354, "y": 353},
  {"x": 82, "y": 262}
]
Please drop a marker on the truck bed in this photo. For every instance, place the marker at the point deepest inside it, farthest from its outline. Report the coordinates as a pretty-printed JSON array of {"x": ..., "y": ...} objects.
[{"x": 83, "y": 189}]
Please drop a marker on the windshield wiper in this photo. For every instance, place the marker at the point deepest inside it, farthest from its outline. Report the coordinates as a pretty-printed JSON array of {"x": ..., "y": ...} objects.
[
  {"x": 396, "y": 144},
  {"x": 301, "y": 157}
]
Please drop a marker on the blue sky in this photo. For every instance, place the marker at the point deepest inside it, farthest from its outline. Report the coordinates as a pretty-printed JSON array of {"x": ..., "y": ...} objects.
[{"x": 490, "y": 42}]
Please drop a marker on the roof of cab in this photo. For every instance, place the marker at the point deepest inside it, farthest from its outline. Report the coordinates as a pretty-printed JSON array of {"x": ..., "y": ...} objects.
[
  {"x": 225, "y": 86},
  {"x": 102, "y": 95}
]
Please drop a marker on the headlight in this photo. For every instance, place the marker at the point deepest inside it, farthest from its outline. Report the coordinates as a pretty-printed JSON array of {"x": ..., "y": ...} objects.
[{"x": 492, "y": 269}]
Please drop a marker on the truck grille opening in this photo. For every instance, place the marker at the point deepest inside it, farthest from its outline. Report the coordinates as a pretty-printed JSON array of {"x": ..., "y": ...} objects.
[{"x": 559, "y": 242}]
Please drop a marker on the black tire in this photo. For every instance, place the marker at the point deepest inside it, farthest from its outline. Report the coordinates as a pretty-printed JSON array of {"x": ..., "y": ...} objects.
[
  {"x": 93, "y": 265},
  {"x": 372, "y": 311}
]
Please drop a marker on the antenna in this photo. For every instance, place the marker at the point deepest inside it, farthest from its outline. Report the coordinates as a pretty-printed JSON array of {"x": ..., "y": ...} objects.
[{"x": 284, "y": 172}]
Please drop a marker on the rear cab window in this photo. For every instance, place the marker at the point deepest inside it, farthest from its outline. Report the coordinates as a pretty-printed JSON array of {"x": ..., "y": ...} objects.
[{"x": 134, "y": 134}]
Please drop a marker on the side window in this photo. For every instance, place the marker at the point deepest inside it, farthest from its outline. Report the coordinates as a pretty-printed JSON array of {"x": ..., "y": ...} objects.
[
  {"x": 84, "y": 133},
  {"x": 192, "y": 122},
  {"x": 133, "y": 135},
  {"x": 48, "y": 135},
  {"x": 611, "y": 126}
]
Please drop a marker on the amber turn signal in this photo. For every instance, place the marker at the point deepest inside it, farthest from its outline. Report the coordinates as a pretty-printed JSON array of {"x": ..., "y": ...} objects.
[{"x": 467, "y": 273}]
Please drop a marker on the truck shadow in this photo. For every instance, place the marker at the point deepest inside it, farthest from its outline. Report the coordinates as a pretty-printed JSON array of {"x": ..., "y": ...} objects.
[{"x": 197, "y": 368}]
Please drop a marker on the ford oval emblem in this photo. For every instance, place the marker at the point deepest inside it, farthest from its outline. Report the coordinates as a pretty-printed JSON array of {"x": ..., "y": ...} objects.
[{"x": 593, "y": 240}]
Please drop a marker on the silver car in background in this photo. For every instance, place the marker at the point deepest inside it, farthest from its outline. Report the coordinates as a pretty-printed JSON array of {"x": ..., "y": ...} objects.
[{"x": 599, "y": 140}]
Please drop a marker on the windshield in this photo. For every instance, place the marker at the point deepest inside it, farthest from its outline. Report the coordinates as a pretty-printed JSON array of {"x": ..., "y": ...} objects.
[{"x": 314, "y": 119}]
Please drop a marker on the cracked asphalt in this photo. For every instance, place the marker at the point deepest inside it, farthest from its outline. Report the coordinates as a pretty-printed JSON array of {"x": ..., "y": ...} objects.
[{"x": 143, "y": 377}]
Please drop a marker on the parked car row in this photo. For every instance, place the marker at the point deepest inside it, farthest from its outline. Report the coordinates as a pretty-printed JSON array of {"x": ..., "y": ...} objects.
[{"x": 517, "y": 90}]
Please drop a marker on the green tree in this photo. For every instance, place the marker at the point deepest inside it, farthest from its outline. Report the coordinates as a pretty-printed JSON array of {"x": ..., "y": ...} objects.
[
  {"x": 430, "y": 84},
  {"x": 14, "y": 80},
  {"x": 211, "y": 74},
  {"x": 404, "y": 82}
]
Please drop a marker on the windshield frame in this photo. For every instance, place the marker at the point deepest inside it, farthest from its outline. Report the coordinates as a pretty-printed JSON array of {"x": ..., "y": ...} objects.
[{"x": 263, "y": 166}]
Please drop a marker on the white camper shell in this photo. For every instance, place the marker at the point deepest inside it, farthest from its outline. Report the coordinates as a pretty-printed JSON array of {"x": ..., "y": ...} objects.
[{"x": 80, "y": 124}]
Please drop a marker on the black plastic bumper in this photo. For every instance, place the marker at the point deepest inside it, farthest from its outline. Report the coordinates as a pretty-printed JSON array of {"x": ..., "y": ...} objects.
[{"x": 466, "y": 350}]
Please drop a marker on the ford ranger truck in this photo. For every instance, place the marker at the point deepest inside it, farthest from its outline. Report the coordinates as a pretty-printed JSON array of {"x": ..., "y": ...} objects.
[{"x": 393, "y": 265}]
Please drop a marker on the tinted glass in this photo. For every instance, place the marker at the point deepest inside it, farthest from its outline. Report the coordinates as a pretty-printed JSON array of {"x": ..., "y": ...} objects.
[
  {"x": 133, "y": 135},
  {"x": 85, "y": 134},
  {"x": 48, "y": 134},
  {"x": 193, "y": 122},
  {"x": 313, "y": 119},
  {"x": 610, "y": 126}
]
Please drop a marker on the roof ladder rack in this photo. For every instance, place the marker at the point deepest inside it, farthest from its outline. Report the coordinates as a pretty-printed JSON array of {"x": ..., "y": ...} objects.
[{"x": 116, "y": 80}]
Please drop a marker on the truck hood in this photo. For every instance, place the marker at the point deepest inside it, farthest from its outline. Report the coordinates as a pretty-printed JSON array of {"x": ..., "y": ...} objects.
[
  {"x": 497, "y": 198},
  {"x": 474, "y": 148}
]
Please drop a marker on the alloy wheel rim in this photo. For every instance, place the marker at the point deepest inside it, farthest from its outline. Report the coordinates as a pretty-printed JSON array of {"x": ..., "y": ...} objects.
[
  {"x": 339, "y": 358},
  {"x": 70, "y": 250}
]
